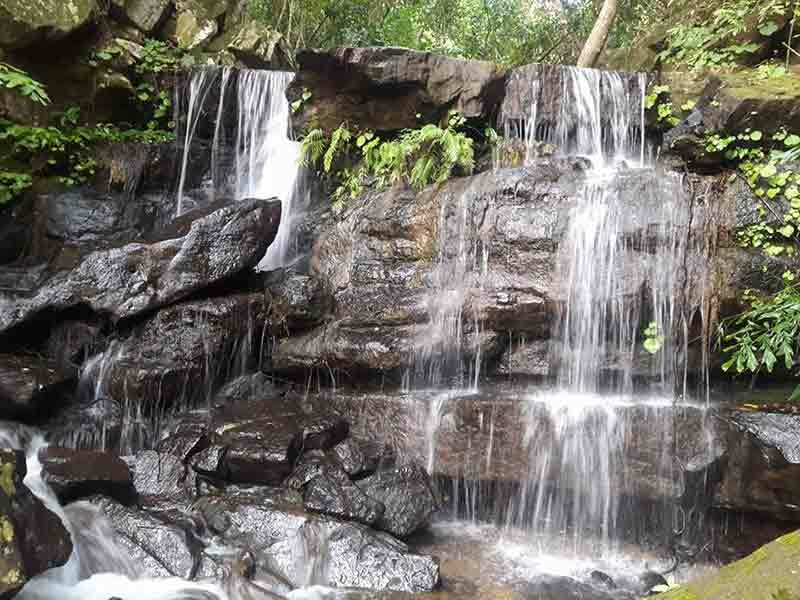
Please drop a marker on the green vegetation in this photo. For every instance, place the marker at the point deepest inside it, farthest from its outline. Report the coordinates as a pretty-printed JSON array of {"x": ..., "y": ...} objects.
[
  {"x": 511, "y": 32},
  {"x": 715, "y": 41},
  {"x": 419, "y": 157},
  {"x": 66, "y": 148}
]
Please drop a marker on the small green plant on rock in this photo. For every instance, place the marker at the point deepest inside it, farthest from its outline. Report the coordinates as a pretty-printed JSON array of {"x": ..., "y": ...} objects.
[
  {"x": 12, "y": 185},
  {"x": 18, "y": 80},
  {"x": 419, "y": 157},
  {"x": 653, "y": 341}
]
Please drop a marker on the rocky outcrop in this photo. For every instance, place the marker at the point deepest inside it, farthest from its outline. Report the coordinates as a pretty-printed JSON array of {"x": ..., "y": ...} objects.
[
  {"x": 33, "y": 538},
  {"x": 146, "y": 15},
  {"x": 386, "y": 89},
  {"x": 289, "y": 541},
  {"x": 127, "y": 281},
  {"x": 23, "y": 23}
]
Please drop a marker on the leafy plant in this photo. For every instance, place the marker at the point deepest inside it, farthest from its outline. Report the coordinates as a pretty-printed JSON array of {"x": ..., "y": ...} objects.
[
  {"x": 298, "y": 104},
  {"x": 157, "y": 57},
  {"x": 765, "y": 334},
  {"x": 13, "y": 184},
  {"x": 714, "y": 42},
  {"x": 13, "y": 78},
  {"x": 653, "y": 341},
  {"x": 420, "y": 157}
]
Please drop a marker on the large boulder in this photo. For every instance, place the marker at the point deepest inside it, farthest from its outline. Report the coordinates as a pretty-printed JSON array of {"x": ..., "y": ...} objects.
[
  {"x": 23, "y": 22},
  {"x": 308, "y": 548},
  {"x": 766, "y": 574},
  {"x": 408, "y": 495},
  {"x": 139, "y": 277},
  {"x": 76, "y": 474},
  {"x": 387, "y": 88},
  {"x": 177, "y": 356},
  {"x": 32, "y": 538}
]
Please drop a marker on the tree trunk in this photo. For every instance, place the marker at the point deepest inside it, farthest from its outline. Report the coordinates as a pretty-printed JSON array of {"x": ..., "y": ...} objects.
[{"x": 596, "y": 43}]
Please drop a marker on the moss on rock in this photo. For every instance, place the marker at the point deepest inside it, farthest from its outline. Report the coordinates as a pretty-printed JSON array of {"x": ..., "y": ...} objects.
[
  {"x": 23, "y": 22},
  {"x": 766, "y": 574}
]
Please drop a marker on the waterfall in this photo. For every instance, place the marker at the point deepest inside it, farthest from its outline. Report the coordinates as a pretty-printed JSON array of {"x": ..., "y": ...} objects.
[{"x": 265, "y": 157}]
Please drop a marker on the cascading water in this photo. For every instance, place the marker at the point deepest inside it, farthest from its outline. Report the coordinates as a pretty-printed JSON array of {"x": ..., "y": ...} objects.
[
  {"x": 624, "y": 262},
  {"x": 265, "y": 161}
]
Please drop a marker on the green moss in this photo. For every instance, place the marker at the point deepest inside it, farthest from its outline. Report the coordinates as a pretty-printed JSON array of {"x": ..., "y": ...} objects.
[
  {"x": 19, "y": 19},
  {"x": 7, "y": 479},
  {"x": 743, "y": 84}
]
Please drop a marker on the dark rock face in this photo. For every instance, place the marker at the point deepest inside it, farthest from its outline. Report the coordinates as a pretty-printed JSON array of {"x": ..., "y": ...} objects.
[
  {"x": 408, "y": 495},
  {"x": 135, "y": 278},
  {"x": 763, "y": 465},
  {"x": 183, "y": 350},
  {"x": 265, "y": 433},
  {"x": 34, "y": 539},
  {"x": 385, "y": 88},
  {"x": 30, "y": 384},
  {"x": 305, "y": 548},
  {"x": 76, "y": 474}
]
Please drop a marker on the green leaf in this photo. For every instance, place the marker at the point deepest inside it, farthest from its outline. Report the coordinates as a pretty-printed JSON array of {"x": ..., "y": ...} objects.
[{"x": 768, "y": 28}]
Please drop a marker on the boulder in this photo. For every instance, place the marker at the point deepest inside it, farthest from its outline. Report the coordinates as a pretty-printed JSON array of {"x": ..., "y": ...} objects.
[
  {"x": 766, "y": 574},
  {"x": 196, "y": 22},
  {"x": 160, "y": 480},
  {"x": 385, "y": 89},
  {"x": 144, "y": 14},
  {"x": 182, "y": 352},
  {"x": 332, "y": 493},
  {"x": 76, "y": 474},
  {"x": 265, "y": 432},
  {"x": 31, "y": 385},
  {"x": 140, "y": 277},
  {"x": 157, "y": 548},
  {"x": 259, "y": 47},
  {"x": 23, "y": 23},
  {"x": 33, "y": 538},
  {"x": 350, "y": 456},
  {"x": 306, "y": 548},
  {"x": 408, "y": 495}
]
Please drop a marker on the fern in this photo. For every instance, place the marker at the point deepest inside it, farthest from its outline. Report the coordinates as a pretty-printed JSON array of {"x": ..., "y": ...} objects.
[
  {"x": 338, "y": 144},
  {"x": 312, "y": 147}
]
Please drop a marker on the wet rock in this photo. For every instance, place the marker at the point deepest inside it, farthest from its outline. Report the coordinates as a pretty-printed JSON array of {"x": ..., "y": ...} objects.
[
  {"x": 332, "y": 493},
  {"x": 650, "y": 580},
  {"x": 298, "y": 302},
  {"x": 408, "y": 496},
  {"x": 33, "y": 539},
  {"x": 159, "y": 479},
  {"x": 300, "y": 545},
  {"x": 350, "y": 456},
  {"x": 565, "y": 588},
  {"x": 385, "y": 88},
  {"x": 265, "y": 434},
  {"x": 762, "y": 474},
  {"x": 138, "y": 277},
  {"x": 526, "y": 359},
  {"x": 175, "y": 356},
  {"x": 76, "y": 474},
  {"x": 188, "y": 438},
  {"x": 604, "y": 579},
  {"x": 211, "y": 462},
  {"x": 158, "y": 549},
  {"x": 23, "y": 23},
  {"x": 31, "y": 385}
]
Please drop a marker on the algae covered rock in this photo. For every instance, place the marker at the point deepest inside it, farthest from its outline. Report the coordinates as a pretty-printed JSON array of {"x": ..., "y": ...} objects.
[
  {"x": 768, "y": 573},
  {"x": 23, "y": 22},
  {"x": 144, "y": 14},
  {"x": 32, "y": 539}
]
